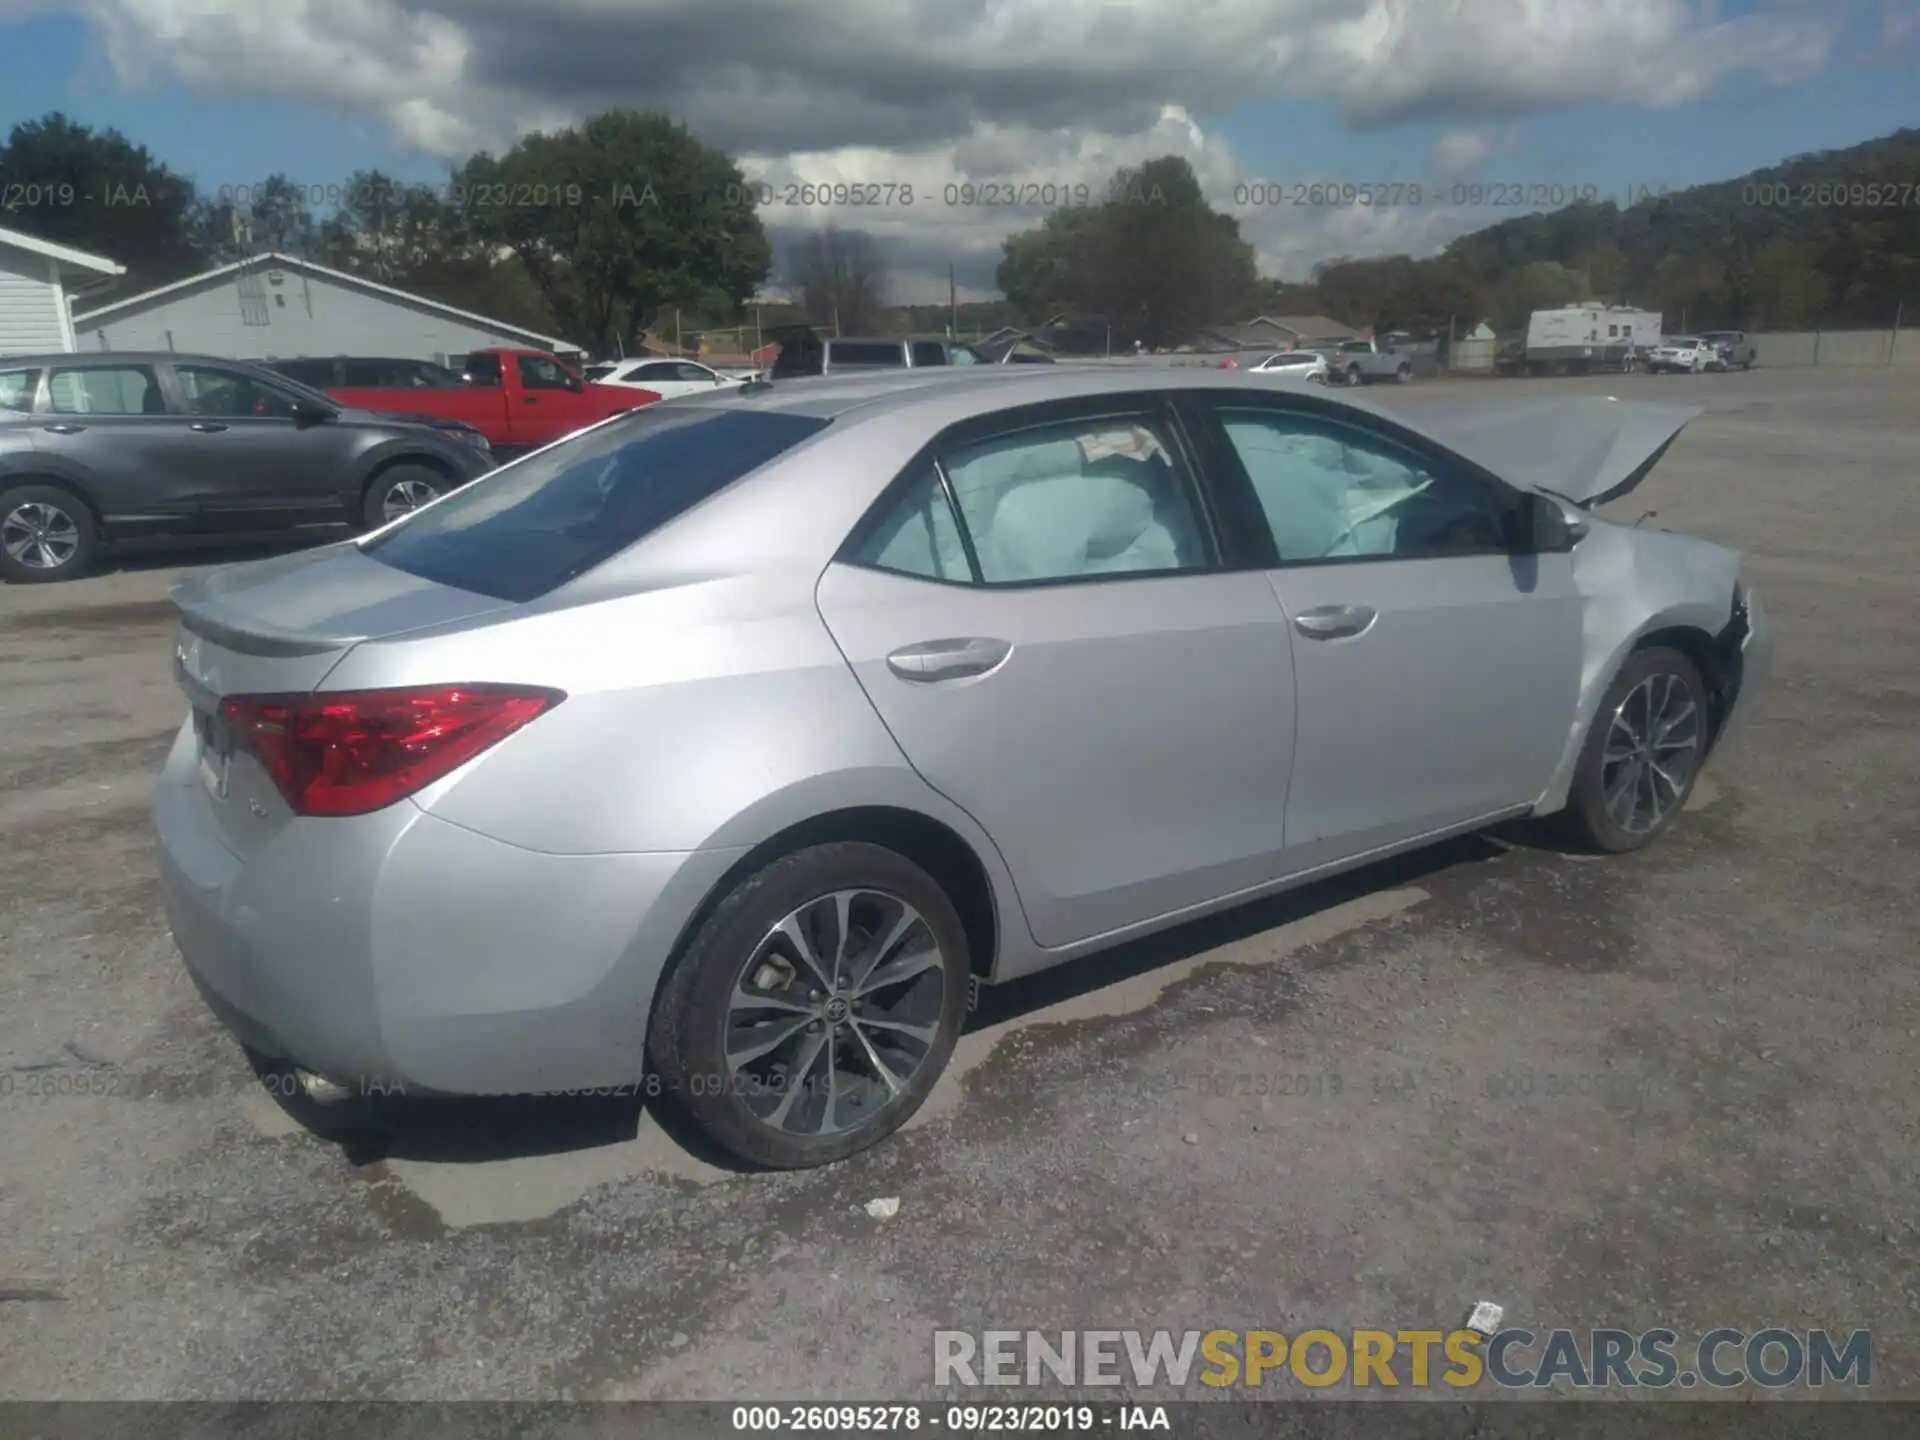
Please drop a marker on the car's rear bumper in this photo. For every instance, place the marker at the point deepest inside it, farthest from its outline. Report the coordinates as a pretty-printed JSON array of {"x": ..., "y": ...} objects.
[{"x": 398, "y": 952}]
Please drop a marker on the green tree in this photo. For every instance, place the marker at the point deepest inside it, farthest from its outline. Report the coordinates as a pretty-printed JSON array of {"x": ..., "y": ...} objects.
[
  {"x": 617, "y": 219},
  {"x": 95, "y": 190},
  {"x": 1153, "y": 258},
  {"x": 1787, "y": 290}
]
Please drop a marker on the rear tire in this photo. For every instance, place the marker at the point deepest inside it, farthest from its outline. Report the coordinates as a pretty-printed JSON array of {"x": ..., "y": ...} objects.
[
  {"x": 400, "y": 490},
  {"x": 1641, "y": 755},
  {"x": 46, "y": 534},
  {"x": 789, "y": 1057},
  {"x": 1403, "y": 375},
  {"x": 1354, "y": 378}
]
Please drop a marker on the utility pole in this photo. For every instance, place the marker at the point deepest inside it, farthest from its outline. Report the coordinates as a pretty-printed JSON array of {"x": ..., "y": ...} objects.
[
  {"x": 676, "y": 329},
  {"x": 953, "y": 305},
  {"x": 1893, "y": 340}
]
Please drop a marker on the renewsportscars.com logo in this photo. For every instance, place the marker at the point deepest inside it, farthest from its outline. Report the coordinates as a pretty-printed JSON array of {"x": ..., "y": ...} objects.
[{"x": 1512, "y": 1359}]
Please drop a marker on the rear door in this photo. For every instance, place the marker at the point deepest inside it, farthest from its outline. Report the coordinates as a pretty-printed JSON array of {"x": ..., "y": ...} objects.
[
  {"x": 1040, "y": 613},
  {"x": 258, "y": 466},
  {"x": 1437, "y": 670},
  {"x": 107, "y": 423}
]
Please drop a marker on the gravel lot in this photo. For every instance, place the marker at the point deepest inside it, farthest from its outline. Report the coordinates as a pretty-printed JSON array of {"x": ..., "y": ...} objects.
[{"x": 1675, "y": 1088}]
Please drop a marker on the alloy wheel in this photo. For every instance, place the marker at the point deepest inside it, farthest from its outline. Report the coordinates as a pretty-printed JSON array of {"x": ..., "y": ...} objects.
[
  {"x": 404, "y": 497},
  {"x": 1652, "y": 751},
  {"x": 40, "y": 536},
  {"x": 834, "y": 1013}
]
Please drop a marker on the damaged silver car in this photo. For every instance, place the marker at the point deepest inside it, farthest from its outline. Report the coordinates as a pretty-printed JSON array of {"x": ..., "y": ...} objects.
[{"x": 724, "y": 749}]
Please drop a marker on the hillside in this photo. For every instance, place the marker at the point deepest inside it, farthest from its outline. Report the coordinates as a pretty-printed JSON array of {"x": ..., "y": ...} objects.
[{"x": 1827, "y": 239}]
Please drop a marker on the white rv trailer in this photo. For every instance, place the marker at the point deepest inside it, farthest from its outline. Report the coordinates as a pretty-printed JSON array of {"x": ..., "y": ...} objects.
[{"x": 1589, "y": 337}]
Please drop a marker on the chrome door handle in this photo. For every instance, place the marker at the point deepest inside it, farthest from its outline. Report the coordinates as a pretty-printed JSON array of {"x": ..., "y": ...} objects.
[
  {"x": 948, "y": 659},
  {"x": 1334, "y": 622},
  {"x": 63, "y": 429},
  {"x": 207, "y": 427}
]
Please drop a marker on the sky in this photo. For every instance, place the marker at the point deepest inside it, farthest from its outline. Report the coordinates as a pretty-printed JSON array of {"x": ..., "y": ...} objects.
[{"x": 1477, "y": 103}]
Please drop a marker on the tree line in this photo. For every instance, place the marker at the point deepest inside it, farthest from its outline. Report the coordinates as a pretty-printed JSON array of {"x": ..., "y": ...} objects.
[{"x": 596, "y": 232}]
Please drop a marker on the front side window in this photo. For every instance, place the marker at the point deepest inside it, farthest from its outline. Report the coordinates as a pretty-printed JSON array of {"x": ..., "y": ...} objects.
[
  {"x": 16, "y": 389},
  {"x": 229, "y": 395},
  {"x": 527, "y": 529},
  {"x": 105, "y": 390},
  {"x": 1332, "y": 492},
  {"x": 537, "y": 372},
  {"x": 929, "y": 352},
  {"x": 1064, "y": 501}
]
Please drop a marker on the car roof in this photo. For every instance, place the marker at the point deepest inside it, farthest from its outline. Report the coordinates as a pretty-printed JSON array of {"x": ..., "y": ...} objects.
[
  {"x": 870, "y": 394},
  {"x": 128, "y": 357}
]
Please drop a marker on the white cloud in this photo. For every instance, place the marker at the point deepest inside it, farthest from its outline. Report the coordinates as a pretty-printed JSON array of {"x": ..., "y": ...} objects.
[
  {"x": 1459, "y": 151},
  {"x": 932, "y": 92}
]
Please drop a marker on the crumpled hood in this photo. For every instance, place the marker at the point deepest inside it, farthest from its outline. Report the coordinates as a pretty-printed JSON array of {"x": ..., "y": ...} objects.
[{"x": 1585, "y": 448}]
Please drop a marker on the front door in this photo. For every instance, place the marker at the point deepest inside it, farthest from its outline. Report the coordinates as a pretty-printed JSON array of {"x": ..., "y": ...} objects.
[
  {"x": 551, "y": 403},
  {"x": 1041, "y": 622},
  {"x": 259, "y": 466},
  {"x": 1437, "y": 670}
]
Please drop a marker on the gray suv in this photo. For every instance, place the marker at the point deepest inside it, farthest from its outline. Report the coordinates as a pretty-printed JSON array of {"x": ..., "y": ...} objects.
[
  {"x": 804, "y": 351},
  {"x": 99, "y": 447}
]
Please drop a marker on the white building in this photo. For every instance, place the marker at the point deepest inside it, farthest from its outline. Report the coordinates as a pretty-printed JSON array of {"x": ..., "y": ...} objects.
[
  {"x": 38, "y": 280},
  {"x": 280, "y": 307}
]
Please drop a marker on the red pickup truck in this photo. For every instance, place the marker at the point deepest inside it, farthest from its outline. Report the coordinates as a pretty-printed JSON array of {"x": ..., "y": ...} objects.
[{"x": 519, "y": 399}]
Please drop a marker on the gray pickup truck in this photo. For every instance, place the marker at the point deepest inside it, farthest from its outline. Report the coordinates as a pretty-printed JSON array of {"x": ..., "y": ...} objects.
[
  {"x": 1737, "y": 350},
  {"x": 1360, "y": 362}
]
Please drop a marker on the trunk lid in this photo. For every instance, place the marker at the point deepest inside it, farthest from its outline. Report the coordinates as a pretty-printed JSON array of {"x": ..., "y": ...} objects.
[
  {"x": 280, "y": 626},
  {"x": 1588, "y": 449}
]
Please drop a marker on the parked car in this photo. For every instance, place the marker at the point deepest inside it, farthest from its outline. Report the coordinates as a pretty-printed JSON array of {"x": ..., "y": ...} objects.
[
  {"x": 519, "y": 399},
  {"x": 1300, "y": 364},
  {"x": 1361, "y": 362},
  {"x": 1681, "y": 354},
  {"x": 97, "y": 448},
  {"x": 359, "y": 372},
  {"x": 804, "y": 351},
  {"x": 668, "y": 379},
  {"x": 773, "y": 721},
  {"x": 1736, "y": 347}
]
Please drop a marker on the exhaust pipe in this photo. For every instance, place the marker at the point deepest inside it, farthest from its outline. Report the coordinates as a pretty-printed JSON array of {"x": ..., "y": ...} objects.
[{"x": 321, "y": 1090}]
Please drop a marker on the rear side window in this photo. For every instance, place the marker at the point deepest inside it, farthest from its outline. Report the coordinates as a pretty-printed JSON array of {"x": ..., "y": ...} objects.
[
  {"x": 484, "y": 371},
  {"x": 530, "y": 528},
  {"x": 929, "y": 352},
  {"x": 106, "y": 390},
  {"x": 866, "y": 352},
  {"x": 1061, "y": 502},
  {"x": 16, "y": 389}
]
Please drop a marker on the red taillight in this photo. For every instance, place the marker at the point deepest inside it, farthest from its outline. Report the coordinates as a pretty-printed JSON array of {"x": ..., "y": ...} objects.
[{"x": 356, "y": 751}]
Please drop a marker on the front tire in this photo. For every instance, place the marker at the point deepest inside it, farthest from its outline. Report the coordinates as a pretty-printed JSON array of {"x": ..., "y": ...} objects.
[
  {"x": 1354, "y": 378},
  {"x": 814, "y": 1009},
  {"x": 1642, "y": 754},
  {"x": 1404, "y": 374},
  {"x": 46, "y": 534},
  {"x": 398, "y": 491}
]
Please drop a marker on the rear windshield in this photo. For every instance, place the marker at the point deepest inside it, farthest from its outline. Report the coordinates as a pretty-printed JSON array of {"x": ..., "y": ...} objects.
[{"x": 532, "y": 527}]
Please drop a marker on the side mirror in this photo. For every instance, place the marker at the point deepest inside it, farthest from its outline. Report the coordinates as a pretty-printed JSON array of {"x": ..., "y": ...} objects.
[
  {"x": 1550, "y": 527},
  {"x": 306, "y": 414}
]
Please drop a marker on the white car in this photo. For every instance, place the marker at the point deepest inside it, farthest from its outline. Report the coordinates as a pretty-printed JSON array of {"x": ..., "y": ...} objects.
[
  {"x": 666, "y": 378},
  {"x": 1300, "y": 364},
  {"x": 1679, "y": 354}
]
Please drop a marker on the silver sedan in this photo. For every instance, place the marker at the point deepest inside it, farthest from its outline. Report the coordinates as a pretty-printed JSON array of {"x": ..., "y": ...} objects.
[{"x": 722, "y": 750}]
